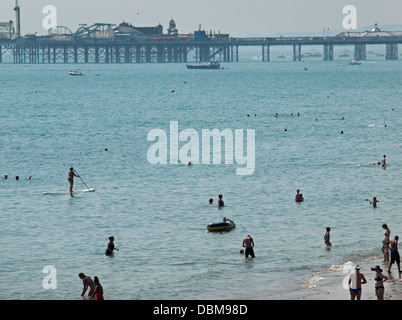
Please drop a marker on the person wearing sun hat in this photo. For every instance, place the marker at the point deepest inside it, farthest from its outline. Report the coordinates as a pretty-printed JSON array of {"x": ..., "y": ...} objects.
[{"x": 379, "y": 282}]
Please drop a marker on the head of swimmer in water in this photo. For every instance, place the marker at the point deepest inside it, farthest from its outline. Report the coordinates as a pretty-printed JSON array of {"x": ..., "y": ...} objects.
[
  {"x": 211, "y": 201},
  {"x": 111, "y": 238}
]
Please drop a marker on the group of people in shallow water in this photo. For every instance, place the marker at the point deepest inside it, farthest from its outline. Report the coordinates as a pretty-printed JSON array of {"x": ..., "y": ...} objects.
[
  {"x": 248, "y": 241},
  {"x": 389, "y": 249},
  {"x": 94, "y": 286},
  {"x": 356, "y": 278},
  {"x": 5, "y": 177}
]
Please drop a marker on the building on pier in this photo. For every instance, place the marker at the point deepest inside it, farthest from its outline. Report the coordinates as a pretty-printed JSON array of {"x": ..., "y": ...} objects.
[{"x": 371, "y": 36}]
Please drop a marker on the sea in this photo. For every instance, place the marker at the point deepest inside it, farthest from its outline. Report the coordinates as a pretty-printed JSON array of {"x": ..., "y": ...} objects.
[{"x": 318, "y": 126}]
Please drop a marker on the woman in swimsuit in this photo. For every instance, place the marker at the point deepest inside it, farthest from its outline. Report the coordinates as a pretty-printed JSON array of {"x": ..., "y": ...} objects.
[
  {"x": 379, "y": 282},
  {"x": 98, "y": 292},
  {"x": 110, "y": 247},
  {"x": 385, "y": 242}
]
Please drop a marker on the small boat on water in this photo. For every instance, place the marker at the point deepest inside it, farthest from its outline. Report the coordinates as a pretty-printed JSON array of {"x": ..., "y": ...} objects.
[
  {"x": 354, "y": 63},
  {"x": 75, "y": 73},
  {"x": 211, "y": 65},
  {"x": 221, "y": 226}
]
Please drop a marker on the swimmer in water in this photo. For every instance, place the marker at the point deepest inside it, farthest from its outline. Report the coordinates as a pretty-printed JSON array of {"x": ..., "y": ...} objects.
[
  {"x": 220, "y": 201},
  {"x": 248, "y": 243},
  {"x": 384, "y": 161},
  {"x": 110, "y": 247},
  {"x": 98, "y": 292},
  {"x": 327, "y": 237},
  {"x": 211, "y": 201},
  {"x": 374, "y": 202},
  {"x": 299, "y": 196},
  {"x": 88, "y": 283}
]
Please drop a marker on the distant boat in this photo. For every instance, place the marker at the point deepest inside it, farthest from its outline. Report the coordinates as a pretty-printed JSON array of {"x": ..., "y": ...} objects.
[
  {"x": 354, "y": 63},
  {"x": 211, "y": 65},
  {"x": 75, "y": 73},
  {"x": 316, "y": 54},
  {"x": 281, "y": 56}
]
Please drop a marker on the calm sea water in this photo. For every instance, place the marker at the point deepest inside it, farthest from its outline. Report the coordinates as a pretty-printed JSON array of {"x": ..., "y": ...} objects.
[{"x": 158, "y": 214}]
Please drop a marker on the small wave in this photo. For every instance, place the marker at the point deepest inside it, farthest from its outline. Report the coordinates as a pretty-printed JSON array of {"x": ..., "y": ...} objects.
[{"x": 311, "y": 283}]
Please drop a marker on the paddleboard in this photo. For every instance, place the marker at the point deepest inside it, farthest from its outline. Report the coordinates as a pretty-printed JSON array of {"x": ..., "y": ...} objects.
[{"x": 68, "y": 192}]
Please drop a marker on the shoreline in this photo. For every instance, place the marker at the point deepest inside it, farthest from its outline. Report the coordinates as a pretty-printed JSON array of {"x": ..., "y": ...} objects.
[{"x": 331, "y": 284}]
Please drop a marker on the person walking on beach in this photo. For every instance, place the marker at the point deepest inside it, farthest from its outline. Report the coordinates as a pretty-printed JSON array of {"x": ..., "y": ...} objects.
[
  {"x": 327, "y": 237},
  {"x": 356, "y": 279},
  {"x": 71, "y": 175},
  {"x": 110, "y": 247},
  {"x": 394, "y": 254},
  {"x": 88, "y": 283},
  {"x": 98, "y": 292},
  {"x": 379, "y": 282},
  {"x": 248, "y": 243}
]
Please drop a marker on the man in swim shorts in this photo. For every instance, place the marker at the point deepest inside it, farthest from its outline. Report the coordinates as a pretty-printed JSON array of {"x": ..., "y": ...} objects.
[
  {"x": 88, "y": 283},
  {"x": 356, "y": 279},
  {"x": 248, "y": 243},
  {"x": 394, "y": 254}
]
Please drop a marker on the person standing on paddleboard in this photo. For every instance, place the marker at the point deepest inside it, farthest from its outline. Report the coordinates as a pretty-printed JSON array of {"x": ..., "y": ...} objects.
[{"x": 71, "y": 175}]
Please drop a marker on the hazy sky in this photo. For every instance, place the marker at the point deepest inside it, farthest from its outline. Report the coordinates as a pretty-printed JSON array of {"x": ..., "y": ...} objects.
[{"x": 236, "y": 17}]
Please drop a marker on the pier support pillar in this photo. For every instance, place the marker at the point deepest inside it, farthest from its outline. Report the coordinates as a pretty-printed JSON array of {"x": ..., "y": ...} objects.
[
  {"x": 360, "y": 52},
  {"x": 75, "y": 54},
  {"x": 391, "y": 51},
  {"x": 127, "y": 54},
  {"x": 86, "y": 54},
  {"x": 1, "y": 54},
  {"x": 296, "y": 52},
  {"x": 328, "y": 52},
  {"x": 96, "y": 53},
  {"x": 265, "y": 53}
]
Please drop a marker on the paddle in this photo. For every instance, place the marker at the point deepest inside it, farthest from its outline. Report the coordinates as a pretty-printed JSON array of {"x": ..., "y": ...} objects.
[{"x": 81, "y": 179}]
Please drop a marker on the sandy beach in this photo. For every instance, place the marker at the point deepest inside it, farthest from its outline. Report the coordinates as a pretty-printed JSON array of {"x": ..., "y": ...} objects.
[{"x": 332, "y": 283}]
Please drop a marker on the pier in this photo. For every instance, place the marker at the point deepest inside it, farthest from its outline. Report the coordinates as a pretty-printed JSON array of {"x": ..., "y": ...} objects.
[
  {"x": 93, "y": 50},
  {"x": 125, "y": 43}
]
